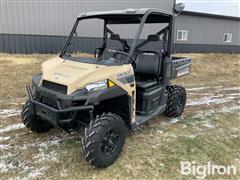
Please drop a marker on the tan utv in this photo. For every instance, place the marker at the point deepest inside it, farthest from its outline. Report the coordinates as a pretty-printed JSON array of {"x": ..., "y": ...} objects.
[{"x": 114, "y": 90}]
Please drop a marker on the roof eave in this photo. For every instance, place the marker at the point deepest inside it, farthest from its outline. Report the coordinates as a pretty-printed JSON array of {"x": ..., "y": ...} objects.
[{"x": 210, "y": 15}]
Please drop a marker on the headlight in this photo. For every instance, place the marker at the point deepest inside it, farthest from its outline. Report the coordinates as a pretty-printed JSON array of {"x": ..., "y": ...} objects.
[
  {"x": 100, "y": 85},
  {"x": 97, "y": 85}
]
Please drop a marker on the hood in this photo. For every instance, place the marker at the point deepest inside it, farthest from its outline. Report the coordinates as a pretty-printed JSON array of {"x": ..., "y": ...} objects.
[{"x": 75, "y": 74}]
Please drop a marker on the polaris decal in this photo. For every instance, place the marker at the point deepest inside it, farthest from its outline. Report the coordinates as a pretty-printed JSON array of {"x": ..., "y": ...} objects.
[
  {"x": 127, "y": 79},
  {"x": 124, "y": 74}
]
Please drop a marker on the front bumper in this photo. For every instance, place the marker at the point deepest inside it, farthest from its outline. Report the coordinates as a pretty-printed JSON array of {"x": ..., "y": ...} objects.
[
  {"x": 59, "y": 108},
  {"x": 56, "y": 116}
]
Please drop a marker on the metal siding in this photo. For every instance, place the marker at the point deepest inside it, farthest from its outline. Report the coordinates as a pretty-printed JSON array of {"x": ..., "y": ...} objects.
[
  {"x": 41, "y": 26},
  {"x": 205, "y": 48},
  {"x": 48, "y": 18},
  {"x": 54, "y": 17},
  {"x": 55, "y": 44},
  {"x": 207, "y": 30}
]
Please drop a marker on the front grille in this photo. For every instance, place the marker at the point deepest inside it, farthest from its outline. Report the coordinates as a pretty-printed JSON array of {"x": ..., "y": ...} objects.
[
  {"x": 48, "y": 101},
  {"x": 46, "y": 97},
  {"x": 55, "y": 87}
]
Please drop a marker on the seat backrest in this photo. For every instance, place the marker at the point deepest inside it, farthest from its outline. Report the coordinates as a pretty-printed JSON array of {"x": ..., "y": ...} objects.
[
  {"x": 148, "y": 62},
  {"x": 109, "y": 52}
]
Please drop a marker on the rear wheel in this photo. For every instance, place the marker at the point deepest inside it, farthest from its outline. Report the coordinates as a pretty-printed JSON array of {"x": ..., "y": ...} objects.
[
  {"x": 176, "y": 101},
  {"x": 103, "y": 140},
  {"x": 33, "y": 122}
]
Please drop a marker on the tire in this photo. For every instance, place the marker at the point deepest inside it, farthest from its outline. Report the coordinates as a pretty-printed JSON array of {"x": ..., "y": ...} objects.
[
  {"x": 33, "y": 122},
  {"x": 97, "y": 149},
  {"x": 176, "y": 101}
]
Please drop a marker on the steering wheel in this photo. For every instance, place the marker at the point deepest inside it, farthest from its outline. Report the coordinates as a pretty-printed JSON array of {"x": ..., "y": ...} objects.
[{"x": 132, "y": 60}]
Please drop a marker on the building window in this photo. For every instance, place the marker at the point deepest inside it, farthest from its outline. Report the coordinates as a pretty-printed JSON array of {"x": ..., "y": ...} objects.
[
  {"x": 182, "y": 35},
  {"x": 227, "y": 37}
]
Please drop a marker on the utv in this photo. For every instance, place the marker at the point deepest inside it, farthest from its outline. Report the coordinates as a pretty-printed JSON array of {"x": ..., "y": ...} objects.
[{"x": 114, "y": 90}]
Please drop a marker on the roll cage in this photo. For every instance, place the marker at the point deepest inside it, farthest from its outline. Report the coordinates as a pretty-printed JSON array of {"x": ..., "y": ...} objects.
[{"x": 132, "y": 16}]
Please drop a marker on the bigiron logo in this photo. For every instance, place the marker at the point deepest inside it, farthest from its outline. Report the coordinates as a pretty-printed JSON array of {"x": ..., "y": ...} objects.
[{"x": 202, "y": 171}]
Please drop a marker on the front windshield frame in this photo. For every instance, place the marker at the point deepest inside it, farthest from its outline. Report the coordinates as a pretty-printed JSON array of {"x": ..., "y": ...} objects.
[{"x": 136, "y": 37}]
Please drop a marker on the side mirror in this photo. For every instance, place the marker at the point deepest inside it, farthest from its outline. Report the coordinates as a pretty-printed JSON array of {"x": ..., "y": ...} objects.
[
  {"x": 153, "y": 37},
  {"x": 178, "y": 8}
]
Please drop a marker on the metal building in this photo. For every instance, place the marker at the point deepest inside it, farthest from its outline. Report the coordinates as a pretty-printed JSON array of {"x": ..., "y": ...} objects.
[
  {"x": 41, "y": 26},
  {"x": 201, "y": 32}
]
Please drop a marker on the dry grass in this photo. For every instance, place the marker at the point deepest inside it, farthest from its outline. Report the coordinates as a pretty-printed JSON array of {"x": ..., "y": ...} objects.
[
  {"x": 15, "y": 72},
  {"x": 205, "y": 132},
  {"x": 207, "y": 69},
  {"x": 213, "y": 69},
  {"x": 86, "y": 55}
]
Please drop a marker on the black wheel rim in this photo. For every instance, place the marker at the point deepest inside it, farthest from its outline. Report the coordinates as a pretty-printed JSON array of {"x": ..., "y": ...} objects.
[{"x": 109, "y": 142}]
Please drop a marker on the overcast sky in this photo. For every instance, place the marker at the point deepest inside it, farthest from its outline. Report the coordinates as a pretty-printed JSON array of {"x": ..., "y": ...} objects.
[{"x": 225, "y": 7}]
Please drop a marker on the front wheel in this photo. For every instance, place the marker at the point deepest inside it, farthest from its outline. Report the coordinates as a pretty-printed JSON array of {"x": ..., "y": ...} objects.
[
  {"x": 32, "y": 121},
  {"x": 103, "y": 140}
]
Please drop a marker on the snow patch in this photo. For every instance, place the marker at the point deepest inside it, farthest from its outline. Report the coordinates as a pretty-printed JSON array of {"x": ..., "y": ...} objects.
[
  {"x": 4, "y": 167},
  {"x": 234, "y": 94},
  {"x": 217, "y": 96},
  {"x": 208, "y": 125},
  {"x": 41, "y": 156},
  {"x": 159, "y": 131},
  {"x": 200, "y": 93},
  {"x": 229, "y": 109},
  {"x": 192, "y": 136},
  {"x": 236, "y": 88},
  {"x": 63, "y": 172},
  {"x": 4, "y": 138},
  {"x": 210, "y": 100},
  {"x": 197, "y": 88},
  {"x": 203, "y": 88},
  {"x": 234, "y": 135},
  {"x": 11, "y": 127},
  {"x": 9, "y": 112},
  {"x": 14, "y": 101},
  {"x": 203, "y": 114},
  {"x": 34, "y": 174},
  {"x": 4, "y": 146},
  {"x": 161, "y": 164},
  {"x": 48, "y": 143},
  {"x": 174, "y": 120},
  {"x": 184, "y": 126}
]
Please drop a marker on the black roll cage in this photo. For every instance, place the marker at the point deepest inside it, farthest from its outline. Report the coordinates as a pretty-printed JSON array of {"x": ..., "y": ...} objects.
[{"x": 167, "y": 31}]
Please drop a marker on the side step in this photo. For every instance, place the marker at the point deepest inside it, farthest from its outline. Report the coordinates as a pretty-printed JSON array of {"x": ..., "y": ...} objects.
[{"x": 142, "y": 119}]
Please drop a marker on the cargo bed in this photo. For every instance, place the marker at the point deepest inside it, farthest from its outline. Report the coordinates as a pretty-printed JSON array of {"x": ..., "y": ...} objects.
[{"x": 180, "y": 67}]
